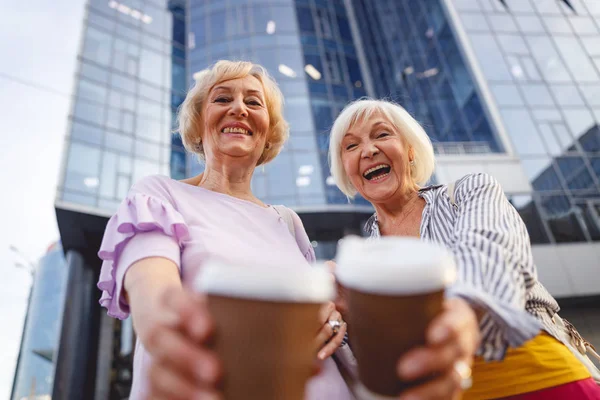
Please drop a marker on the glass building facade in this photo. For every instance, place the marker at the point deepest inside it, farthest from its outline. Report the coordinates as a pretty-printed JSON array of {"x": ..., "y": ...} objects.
[
  {"x": 414, "y": 59},
  {"x": 541, "y": 62},
  {"x": 34, "y": 375},
  {"x": 130, "y": 81}
]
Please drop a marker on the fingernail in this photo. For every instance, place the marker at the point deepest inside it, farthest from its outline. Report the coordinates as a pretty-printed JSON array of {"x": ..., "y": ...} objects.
[
  {"x": 199, "y": 329},
  {"x": 408, "y": 370},
  {"x": 322, "y": 355},
  {"x": 439, "y": 334}
]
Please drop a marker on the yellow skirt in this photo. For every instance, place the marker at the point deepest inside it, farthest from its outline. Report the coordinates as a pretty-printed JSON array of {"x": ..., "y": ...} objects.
[{"x": 540, "y": 363}]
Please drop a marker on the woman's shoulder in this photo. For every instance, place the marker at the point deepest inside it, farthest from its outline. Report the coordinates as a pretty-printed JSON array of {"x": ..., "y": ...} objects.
[
  {"x": 152, "y": 183},
  {"x": 158, "y": 186},
  {"x": 479, "y": 182},
  {"x": 467, "y": 184},
  {"x": 477, "y": 179}
]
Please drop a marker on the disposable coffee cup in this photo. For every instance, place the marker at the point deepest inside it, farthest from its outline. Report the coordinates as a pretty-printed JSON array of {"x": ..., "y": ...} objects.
[
  {"x": 266, "y": 322},
  {"x": 395, "y": 288}
]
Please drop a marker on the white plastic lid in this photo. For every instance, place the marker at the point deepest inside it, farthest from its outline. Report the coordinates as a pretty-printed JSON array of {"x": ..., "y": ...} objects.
[
  {"x": 394, "y": 265},
  {"x": 273, "y": 283}
]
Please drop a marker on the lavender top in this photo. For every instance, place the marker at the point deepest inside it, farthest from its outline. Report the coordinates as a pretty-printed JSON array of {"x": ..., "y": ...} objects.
[{"x": 162, "y": 217}]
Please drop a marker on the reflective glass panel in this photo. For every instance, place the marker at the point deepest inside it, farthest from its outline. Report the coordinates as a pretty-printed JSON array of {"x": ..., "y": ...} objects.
[
  {"x": 530, "y": 24},
  {"x": 89, "y": 111},
  {"x": 548, "y": 59},
  {"x": 567, "y": 95},
  {"x": 537, "y": 95},
  {"x": 523, "y": 132},
  {"x": 490, "y": 57},
  {"x": 474, "y": 22},
  {"x": 507, "y": 94},
  {"x": 97, "y": 46},
  {"x": 83, "y": 163},
  {"x": 576, "y": 59},
  {"x": 86, "y": 133},
  {"x": 118, "y": 142},
  {"x": 512, "y": 44},
  {"x": 503, "y": 23}
]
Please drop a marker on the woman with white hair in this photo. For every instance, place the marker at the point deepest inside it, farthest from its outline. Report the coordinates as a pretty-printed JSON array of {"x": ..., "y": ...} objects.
[{"x": 378, "y": 150}]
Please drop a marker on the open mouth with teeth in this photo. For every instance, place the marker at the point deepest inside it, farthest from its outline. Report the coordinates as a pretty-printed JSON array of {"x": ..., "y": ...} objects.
[
  {"x": 378, "y": 172},
  {"x": 241, "y": 131}
]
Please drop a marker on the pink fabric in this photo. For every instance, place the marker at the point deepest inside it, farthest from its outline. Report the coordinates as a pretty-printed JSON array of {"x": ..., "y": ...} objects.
[
  {"x": 188, "y": 225},
  {"x": 137, "y": 213},
  {"x": 585, "y": 389}
]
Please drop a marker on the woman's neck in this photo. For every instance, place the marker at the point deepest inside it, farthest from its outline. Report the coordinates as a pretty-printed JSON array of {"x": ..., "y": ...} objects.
[
  {"x": 231, "y": 181},
  {"x": 397, "y": 210}
]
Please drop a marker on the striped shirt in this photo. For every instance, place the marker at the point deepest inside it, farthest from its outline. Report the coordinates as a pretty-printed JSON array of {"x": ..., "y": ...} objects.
[{"x": 496, "y": 271}]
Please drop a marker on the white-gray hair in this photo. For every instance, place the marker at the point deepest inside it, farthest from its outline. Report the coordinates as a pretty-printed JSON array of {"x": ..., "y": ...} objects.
[{"x": 413, "y": 133}]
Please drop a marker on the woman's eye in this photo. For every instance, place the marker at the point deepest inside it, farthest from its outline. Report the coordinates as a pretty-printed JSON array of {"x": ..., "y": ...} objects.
[
  {"x": 221, "y": 100},
  {"x": 350, "y": 146},
  {"x": 383, "y": 134},
  {"x": 254, "y": 103}
]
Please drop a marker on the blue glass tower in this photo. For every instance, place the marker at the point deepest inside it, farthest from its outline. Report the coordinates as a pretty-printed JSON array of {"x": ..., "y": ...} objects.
[
  {"x": 131, "y": 79},
  {"x": 415, "y": 60},
  {"x": 539, "y": 61},
  {"x": 35, "y": 368}
]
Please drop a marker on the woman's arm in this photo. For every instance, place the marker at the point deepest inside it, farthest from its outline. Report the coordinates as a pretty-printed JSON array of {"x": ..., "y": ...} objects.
[
  {"x": 495, "y": 265},
  {"x": 172, "y": 324},
  {"x": 146, "y": 283}
]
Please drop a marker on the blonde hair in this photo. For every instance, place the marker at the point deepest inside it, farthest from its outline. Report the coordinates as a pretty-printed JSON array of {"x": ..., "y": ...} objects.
[
  {"x": 413, "y": 133},
  {"x": 189, "y": 118}
]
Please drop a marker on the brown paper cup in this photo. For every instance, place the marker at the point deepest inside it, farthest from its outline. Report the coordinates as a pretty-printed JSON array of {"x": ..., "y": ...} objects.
[
  {"x": 382, "y": 329},
  {"x": 267, "y": 348},
  {"x": 266, "y": 322},
  {"x": 395, "y": 289}
]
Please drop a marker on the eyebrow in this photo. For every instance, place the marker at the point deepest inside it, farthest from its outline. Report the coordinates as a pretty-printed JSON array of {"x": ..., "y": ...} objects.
[
  {"x": 226, "y": 88},
  {"x": 375, "y": 125}
]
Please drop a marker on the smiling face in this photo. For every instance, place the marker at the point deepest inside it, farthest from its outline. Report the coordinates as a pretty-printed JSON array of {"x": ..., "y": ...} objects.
[
  {"x": 236, "y": 120},
  {"x": 376, "y": 159}
]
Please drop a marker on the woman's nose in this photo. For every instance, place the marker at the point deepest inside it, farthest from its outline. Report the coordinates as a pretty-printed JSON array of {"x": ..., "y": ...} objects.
[
  {"x": 238, "y": 109},
  {"x": 369, "y": 151}
]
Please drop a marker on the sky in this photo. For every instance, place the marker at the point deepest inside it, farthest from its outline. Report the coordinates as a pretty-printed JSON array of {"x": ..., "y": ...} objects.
[{"x": 39, "y": 40}]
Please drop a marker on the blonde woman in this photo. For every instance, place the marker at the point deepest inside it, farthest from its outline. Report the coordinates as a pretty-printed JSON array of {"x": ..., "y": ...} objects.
[{"x": 378, "y": 150}]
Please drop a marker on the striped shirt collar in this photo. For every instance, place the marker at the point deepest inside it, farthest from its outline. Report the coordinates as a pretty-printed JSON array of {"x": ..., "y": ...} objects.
[{"x": 372, "y": 225}]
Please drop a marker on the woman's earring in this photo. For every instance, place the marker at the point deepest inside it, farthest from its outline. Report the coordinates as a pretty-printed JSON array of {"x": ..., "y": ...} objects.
[{"x": 412, "y": 163}]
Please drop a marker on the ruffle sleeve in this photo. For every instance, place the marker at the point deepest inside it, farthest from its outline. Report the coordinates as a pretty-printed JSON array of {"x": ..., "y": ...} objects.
[{"x": 138, "y": 214}]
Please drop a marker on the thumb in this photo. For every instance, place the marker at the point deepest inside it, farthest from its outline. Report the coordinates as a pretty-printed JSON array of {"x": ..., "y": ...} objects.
[{"x": 331, "y": 265}]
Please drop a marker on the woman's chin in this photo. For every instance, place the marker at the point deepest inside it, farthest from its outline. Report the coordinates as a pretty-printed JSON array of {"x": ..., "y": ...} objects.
[
  {"x": 233, "y": 150},
  {"x": 377, "y": 194}
]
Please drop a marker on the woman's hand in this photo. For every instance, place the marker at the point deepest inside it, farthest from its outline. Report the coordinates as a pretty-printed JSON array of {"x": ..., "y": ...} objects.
[
  {"x": 451, "y": 337},
  {"x": 328, "y": 341},
  {"x": 182, "y": 367},
  {"x": 341, "y": 303}
]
